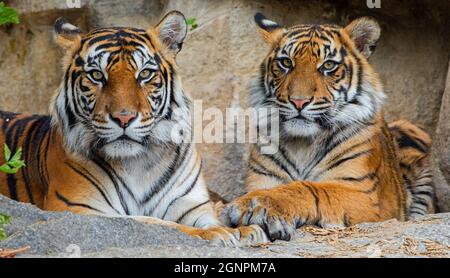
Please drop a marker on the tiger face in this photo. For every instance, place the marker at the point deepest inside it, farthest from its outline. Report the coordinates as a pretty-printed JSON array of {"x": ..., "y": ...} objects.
[
  {"x": 318, "y": 75},
  {"x": 120, "y": 85}
]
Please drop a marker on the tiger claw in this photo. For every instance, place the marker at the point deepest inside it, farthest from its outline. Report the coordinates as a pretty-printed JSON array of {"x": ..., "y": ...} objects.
[
  {"x": 250, "y": 212},
  {"x": 232, "y": 237}
]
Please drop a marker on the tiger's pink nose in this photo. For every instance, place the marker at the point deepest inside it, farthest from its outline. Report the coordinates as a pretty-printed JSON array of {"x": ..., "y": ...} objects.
[
  {"x": 300, "y": 102},
  {"x": 124, "y": 118}
]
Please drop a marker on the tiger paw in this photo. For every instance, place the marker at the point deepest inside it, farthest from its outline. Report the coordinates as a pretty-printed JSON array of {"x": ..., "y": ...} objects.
[
  {"x": 263, "y": 209},
  {"x": 230, "y": 237}
]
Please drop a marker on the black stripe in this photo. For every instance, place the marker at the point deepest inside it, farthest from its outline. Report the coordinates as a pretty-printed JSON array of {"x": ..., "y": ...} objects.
[
  {"x": 346, "y": 220},
  {"x": 264, "y": 170},
  {"x": 373, "y": 188},
  {"x": 417, "y": 201},
  {"x": 95, "y": 184},
  {"x": 40, "y": 135},
  {"x": 190, "y": 210},
  {"x": 71, "y": 118},
  {"x": 73, "y": 204},
  {"x": 406, "y": 166},
  {"x": 155, "y": 189},
  {"x": 358, "y": 179},
  {"x": 107, "y": 37},
  {"x": 326, "y": 195},
  {"x": 285, "y": 155},
  {"x": 45, "y": 170},
  {"x": 329, "y": 145},
  {"x": 30, "y": 138},
  {"x": 124, "y": 184},
  {"x": 111, "y": 176},
  {"x": 426, "y": 193},
  {"x": 261, "y": 173},
  {"x": 79, "y": 62},
  {"x": 314, "y": 193},
  {"x": 423, "y": 193},
  {"x": 12, "y": 133},
  {"x": 184, "y": 193},
  {"x": 345, "y": 159},
  {"x": 406, "y": 141},
  {"x": 279, "y": 164},
  {"x": 12, "y": 186},
  {"x": 348, "y": 150}
]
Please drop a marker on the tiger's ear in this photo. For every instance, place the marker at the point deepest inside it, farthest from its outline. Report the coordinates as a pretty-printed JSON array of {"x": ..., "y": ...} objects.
[
  {"x": 270, "y": 30},
  {"x": 66, "y": 34},
  {"x": 365, "y": 33},
  {"x": 172, "y": 30}
]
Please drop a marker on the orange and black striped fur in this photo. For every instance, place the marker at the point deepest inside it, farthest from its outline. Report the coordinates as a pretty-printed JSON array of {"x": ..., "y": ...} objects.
[
  {"x": 114, "y": 143},
  {"x": 414, "y": 156},
  {"x": 338, "y": 163}
]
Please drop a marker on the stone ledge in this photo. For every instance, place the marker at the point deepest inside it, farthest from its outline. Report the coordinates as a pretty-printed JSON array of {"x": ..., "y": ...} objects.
[{"x": 49, "y": 234}]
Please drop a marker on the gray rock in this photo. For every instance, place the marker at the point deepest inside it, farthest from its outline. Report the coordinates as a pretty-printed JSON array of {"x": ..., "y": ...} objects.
[
  {"x": 53, "y": 232},
  {"x": 56, "y": 234},
  {"x": 441, "y": 152}
]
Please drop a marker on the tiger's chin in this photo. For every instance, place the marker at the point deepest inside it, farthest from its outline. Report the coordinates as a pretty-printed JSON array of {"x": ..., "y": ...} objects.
[
  {"x": 123, "y": 149},
  {"x": 300, "y": 128}
]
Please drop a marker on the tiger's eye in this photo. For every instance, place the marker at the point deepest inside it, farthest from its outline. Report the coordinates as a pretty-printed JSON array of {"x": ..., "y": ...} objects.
[
  {"x": 286, "y": 63},
  {"x": 329, "y": 65},
  {"x": 144, "y": 74},
  {"x": 97, "y": 75}
]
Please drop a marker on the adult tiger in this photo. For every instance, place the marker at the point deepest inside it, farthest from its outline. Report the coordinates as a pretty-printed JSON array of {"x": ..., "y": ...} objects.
[
  {"x": 109, "y": 145},
  {"x": 338, "y": 163}
]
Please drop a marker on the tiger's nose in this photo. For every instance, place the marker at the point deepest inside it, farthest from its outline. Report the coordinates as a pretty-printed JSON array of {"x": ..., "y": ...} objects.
[
  {"x": 123, "y": 118},
  {"x": 300, "y": 103}
]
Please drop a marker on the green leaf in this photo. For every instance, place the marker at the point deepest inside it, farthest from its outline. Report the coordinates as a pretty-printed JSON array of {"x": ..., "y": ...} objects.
[
  {"x": 7, "y": 153},
  {"x": 2, "y": 234},
  {"x": 4, "y": 219},
  {"x": 192, "y": 22},
  {"x": 17, "y": 155},
  {"x": 16, "y": 164},
  {"x": 5, "y": 168},
  {"x": 8, "y": 15},
  {"x": 13, "y": 164}
]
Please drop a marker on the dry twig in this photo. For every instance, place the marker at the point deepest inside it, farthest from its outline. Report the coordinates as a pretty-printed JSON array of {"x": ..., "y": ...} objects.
[{"x": 11, "y": 253}]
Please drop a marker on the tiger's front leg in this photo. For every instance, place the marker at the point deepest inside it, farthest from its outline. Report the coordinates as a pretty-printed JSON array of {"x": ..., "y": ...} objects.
[
  {"x": 216, "y": 234},
  {"x": 281, "y": 210}
]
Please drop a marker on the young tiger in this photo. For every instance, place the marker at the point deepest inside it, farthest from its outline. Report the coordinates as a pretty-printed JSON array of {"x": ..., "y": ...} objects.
[
  {"x": 338, "y": 162},
  {"x": 108, "y": 147}
]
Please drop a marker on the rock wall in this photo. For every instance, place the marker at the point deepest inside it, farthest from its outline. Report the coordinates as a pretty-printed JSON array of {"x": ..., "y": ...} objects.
[
  {"x": 441, "y": 152},
  {"x": 223, "y": 53}
]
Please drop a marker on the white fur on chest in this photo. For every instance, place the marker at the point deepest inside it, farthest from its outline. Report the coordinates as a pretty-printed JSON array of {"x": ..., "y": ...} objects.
[
  {"x": 138, "y": 187},
  {"x": 303, "y": 155}
]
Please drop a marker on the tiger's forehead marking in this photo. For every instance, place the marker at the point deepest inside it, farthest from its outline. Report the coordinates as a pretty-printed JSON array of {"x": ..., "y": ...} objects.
[
  {"x": 104, "y": 47},
  {"x": 313, "y": 41}
]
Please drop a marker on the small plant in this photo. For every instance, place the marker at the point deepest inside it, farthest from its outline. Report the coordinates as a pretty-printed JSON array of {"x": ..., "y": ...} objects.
[
  {"x": 192, "y": 22},
  {"x": 4, "y": 220},
  {"x": 14, "y": 163},
  {"x": 8, "y": 15}
]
